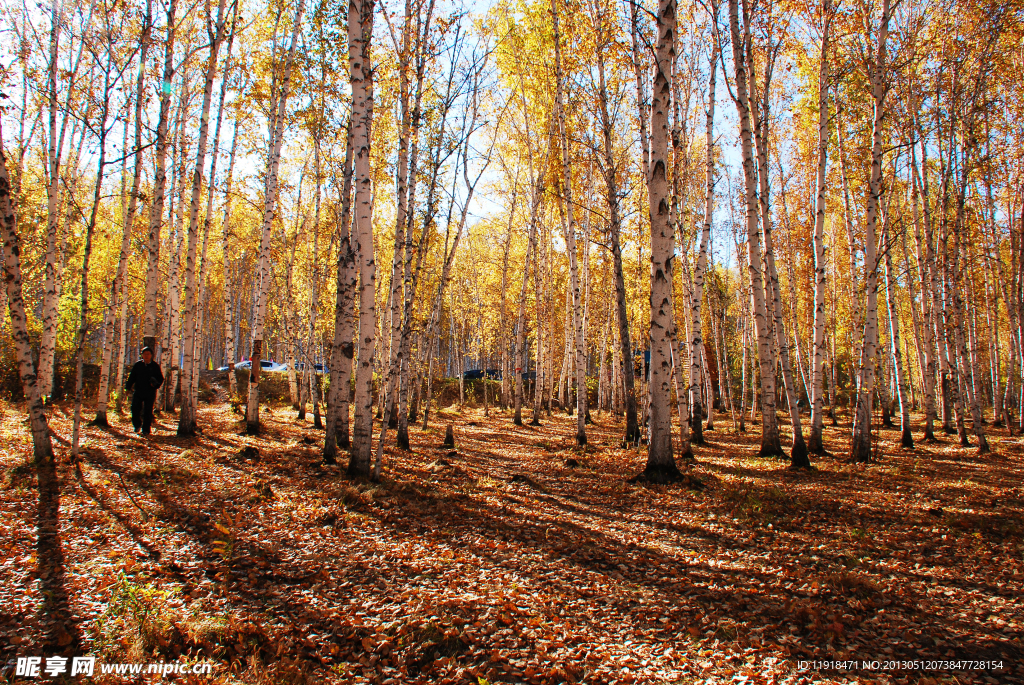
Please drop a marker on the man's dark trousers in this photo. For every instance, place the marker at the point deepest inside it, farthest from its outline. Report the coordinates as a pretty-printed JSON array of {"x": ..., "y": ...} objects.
[{"x": 142, "y": 410}]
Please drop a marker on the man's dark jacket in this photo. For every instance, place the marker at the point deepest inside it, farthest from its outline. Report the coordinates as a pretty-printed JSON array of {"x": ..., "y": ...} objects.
[{"x": 145, "y": 378}]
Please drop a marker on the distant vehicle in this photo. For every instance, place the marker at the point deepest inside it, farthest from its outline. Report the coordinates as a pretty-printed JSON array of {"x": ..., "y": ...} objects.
[
  {"x": 265, "y": 365},
  {"x": 478, "y": 374},
  {"x": 301, "y": 366}
]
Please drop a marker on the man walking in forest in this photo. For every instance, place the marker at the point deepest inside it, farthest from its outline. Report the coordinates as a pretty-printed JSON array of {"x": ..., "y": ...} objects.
[{"x": 145, "y": 378}]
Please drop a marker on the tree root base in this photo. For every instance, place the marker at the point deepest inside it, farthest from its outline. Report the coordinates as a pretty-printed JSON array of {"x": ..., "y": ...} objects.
[{"x": 667, "y": 474}]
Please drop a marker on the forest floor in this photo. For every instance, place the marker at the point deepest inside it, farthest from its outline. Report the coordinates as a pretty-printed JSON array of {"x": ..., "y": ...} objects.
[{"x": 500, "y": 563}]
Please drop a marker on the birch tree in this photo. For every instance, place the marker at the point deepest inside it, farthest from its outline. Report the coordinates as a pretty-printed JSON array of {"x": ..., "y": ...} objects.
[
  {"x": 661, "y": 465},
  {"x": 276, "y": 139},
  {"x": 770, "y": 444},
  {"x": 360, "y": 32},
  {"x": 861, "y": 448}
]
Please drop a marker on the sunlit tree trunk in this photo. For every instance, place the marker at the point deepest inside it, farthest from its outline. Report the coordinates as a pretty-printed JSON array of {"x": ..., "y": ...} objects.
[
  {"x": 925, "y": 260},
  {"x": 360, "y": 32},
  {"x": 661, "y": 465},
  {"x": 336, "y": 432},
  {"x": 960, "y": 336},
  {"x": 290, "y": 318},
  {"x": 537, "y": 193},
  {"x": 187, "y": 415},
  {"x": 578, "y": 351},
  {"x": 625, "y": 354},
  {"x": 760, "y": 117},
  {"x": 542, "y": 361},
  {"x": 314, "y": 295},
  {"x": 252, "y": 408},
  {"x": 906, "y": 438},
  {"x": 42, "y": 448},
  {"x": 503, "y": 306},
  {"x": 101, "y": 130},
  {"x": 814, "y": 442},
  {"x": 1007, "y": 283},
  {"x": 770, "y": 444},
  {"x": 55, "y": 145},
  {"x": 696, "y": 342},
  {"x": 861, "y": 447},
  {"x": 156, "y": 207},
  {"x": 227, "y": 236},
  {"x": 176, "y": 214}
]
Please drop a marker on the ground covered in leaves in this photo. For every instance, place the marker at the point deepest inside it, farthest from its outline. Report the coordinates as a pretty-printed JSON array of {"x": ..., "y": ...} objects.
[{"x": 514, "y": 558}]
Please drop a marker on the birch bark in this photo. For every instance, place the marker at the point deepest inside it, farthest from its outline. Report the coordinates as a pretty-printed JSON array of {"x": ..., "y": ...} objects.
[
  {"x": 252, "y": 408},
  {"x": 156, "y": 208},
  {"x": 814, "y": 441},
  {"x": 770, "y": 444},
  {"x": 579, "y": 353},
  {"x": 861, "y": 445},
  {"x": 42, "y": 448},
  {"x": 360, "y": 32},
  {"x": 661, "y": 465}
]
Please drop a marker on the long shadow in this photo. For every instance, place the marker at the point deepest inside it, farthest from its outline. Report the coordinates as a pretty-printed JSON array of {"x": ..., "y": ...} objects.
[
  {"x": 562, "y": 539},
  {"x": 473, "y": 521},
  {"x": 62, "y": 633},
  {"x": 101, "y": 502},
  {"x": 565, "y": 547}
]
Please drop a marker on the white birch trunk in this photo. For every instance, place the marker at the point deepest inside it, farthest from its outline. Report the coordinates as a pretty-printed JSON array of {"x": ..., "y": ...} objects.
[
  {"x": 360, "y": 32},
  {"x": 252, "y": 410},
  {"x": 187, "y": 415},
  {"x": 818, "y": 352},
  {"x": 579, "y": 353},
  {"x": 336, "y": 431},
  {"x": 770, "y": 444},
  {"x": 42, "y": 448},
  {"x": 117, "y": 289},
  {"x": 861, "y": 447},
  {"x": 661, "y": 466},
  {"x": 156, "y": 208}
]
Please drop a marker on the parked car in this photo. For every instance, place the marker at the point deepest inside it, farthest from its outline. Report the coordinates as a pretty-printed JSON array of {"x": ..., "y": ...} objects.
[
  {"x": 318, "y": 368},
  {"x": 477, "y": 374},
  {"x": 265, "y": 365}
]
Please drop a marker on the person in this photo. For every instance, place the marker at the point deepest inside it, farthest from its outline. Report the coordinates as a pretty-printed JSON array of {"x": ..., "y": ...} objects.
[{"x": 145, "y": 378}]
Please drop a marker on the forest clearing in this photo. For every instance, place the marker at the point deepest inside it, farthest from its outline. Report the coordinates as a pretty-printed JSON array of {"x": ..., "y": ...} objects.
[{"x": 512, "y": 341}]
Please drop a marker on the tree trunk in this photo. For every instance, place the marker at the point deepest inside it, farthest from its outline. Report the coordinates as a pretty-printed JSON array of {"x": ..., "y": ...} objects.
[
  {"x": 342, "y": 350},
  {"x": 537, "y": 193},
  {"x": 156, "y": 207},
  {"x": 117, "y": 287},
  {"x": 83, "y": 320},
  {"x": 814, "y": 442},
  {"x": 360, "y": 32},
  {"x": 227, "y": 234},
  {"x": 770, "y": 444},
  {"x": 187, "y": 415},
  {"x": 861, "y": 447},
  {"x": 579, "y": 353},
  {"x": 925, "y": 259},
  {"x": 661, "y": 466},
  {"x": 252, "y": 407},
  {"x": 906, "y": 438},
  {"x": 42, "y": 448}
]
